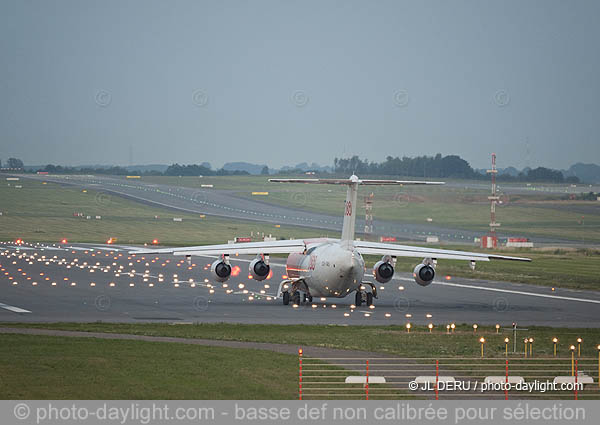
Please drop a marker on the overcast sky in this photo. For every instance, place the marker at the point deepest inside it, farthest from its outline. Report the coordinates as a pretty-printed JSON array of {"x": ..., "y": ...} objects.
[{"x": 280, "y": 82}]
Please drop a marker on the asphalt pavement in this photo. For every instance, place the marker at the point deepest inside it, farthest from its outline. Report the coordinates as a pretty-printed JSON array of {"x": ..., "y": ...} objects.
[{"x": 86, "y": 283}]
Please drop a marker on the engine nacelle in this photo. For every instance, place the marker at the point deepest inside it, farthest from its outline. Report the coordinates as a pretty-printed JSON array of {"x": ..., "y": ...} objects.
[
  {"x": 424, "y": 274},
  {"x": 259, "y": 269},
  {"x": 383, "y": 271},
  {"x": 220, "y": 270}
]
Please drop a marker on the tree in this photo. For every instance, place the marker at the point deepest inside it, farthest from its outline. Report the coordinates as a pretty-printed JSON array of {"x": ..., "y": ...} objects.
[
  {"x": 572, "y": 179},
  {"x": 14, "y": 163},
  {"x": 542, "y": 174},
  {"x": 265, "y": 171}
]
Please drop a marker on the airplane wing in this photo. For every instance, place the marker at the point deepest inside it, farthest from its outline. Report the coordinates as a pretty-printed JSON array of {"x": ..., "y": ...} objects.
[
  {"x": 359, "y": 181},
  {"x": 275, "y": 247},
  {"x": 398, "y": 182},
  {"x": 375, "y": 248}
]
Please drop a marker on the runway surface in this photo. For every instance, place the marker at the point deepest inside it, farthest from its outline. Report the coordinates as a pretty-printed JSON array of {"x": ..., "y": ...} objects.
[
  {"x": 225, "y": 203},
  {"x": 86, "y": 283}
]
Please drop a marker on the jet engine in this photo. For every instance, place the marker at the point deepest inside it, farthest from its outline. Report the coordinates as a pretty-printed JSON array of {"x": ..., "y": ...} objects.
[
  {"x": 220, "y": 270},
  {"x": 424, "y": 273},
  {"x": 259, "y": 269},
  {"x": 383, "y": 270}
]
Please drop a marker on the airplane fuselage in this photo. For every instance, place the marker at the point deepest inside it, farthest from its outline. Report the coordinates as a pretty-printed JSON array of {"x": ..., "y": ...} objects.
[{"x": 328, "y": 269}]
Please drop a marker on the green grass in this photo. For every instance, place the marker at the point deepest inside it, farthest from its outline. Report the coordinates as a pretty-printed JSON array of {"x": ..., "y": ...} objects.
[
  {"x": 456, "y": 209},
  {"x": 383, "y": 339},
  {"x": 44, "y": 213},
  {"x": 533, "y": 214},
  {"x": 45, "y": 367}
]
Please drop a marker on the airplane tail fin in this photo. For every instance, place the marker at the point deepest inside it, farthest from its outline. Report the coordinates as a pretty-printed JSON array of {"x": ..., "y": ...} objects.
[{"x": 353, "y": 182}]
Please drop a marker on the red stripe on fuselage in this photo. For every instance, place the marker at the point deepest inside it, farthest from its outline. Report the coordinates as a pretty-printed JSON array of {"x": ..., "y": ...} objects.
[{"x": 294, "y": 265}]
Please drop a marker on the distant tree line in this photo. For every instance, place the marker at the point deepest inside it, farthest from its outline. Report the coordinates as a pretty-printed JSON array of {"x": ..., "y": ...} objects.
[
  {"x": 59, "y": 169},
  {"x": 199, "y": 170},
  {"x": 438, "y": 166},
  {"x": 420, "y": 166},
  {"x": 14, "y": 163},
  {"x": 172, "y": 170}
]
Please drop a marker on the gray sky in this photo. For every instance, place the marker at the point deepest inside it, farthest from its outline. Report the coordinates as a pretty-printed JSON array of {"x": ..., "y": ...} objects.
[{"x": 280, "y": 82}]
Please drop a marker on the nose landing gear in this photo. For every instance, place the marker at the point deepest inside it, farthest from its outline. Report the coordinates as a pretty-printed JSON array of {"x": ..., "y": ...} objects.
[
  {"x": 362, "y": 296},
  {"x": 294, "y": 292}
]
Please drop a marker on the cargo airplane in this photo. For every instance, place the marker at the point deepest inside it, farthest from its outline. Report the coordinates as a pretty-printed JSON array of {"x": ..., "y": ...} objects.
[{"x": 330, "y": 267}]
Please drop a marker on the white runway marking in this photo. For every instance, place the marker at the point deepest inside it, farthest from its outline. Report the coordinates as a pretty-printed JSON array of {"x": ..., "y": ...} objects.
[
  {"x": 532, "y": 294},
  {"x": 510, "y": 291},
  {"x": 13, "y": 309}
]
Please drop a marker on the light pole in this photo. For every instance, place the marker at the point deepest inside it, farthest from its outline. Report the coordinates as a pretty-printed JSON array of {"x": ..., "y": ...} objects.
[
  {"x": 598, "y": 347},
  {"x": 430, "y": 326},
  {"x": 555, "y": 341},
  {"x": 482, "y": 341},
  {"x": 526, "y": 340},
  {"x": 452, "y": 326},
  {"x": 475, "y": 327},
  {"x": 497, "y": 328},
  {"x": 448, "y": 329},
  {"x": 579, "y": 341},
  {"x": 572, "y": 348},
  {"x": 408, "y": 326},
  {"x": 506, "y": 346},
  {"x": 530, "y": 347}
]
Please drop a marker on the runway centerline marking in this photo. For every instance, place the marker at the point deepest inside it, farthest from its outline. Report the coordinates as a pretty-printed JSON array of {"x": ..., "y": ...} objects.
[{"x": 13, "y": 308}]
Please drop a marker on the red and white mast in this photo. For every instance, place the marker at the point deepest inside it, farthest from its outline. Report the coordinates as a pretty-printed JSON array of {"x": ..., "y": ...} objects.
[{"x": 494, "y": 198}]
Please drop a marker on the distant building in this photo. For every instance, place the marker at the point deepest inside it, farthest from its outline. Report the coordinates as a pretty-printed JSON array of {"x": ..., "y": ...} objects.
[{"x": 519, "y": 243}]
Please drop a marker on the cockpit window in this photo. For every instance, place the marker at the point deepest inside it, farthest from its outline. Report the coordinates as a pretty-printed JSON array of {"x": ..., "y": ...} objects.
[{"x": 310, "y": 250}]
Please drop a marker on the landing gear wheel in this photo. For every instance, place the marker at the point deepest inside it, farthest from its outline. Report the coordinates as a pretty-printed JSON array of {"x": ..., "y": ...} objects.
[
  {"x": 358, "y": 299},
  {"x": 369, "y": 298},
  {"x": 286, "y": 298},
  {"x": 296, "y": 297}
]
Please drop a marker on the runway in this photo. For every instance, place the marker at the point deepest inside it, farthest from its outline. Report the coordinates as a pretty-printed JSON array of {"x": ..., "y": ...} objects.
[
  {"x": 225, "y": 203},
  {"x": 87, "y": 283}
]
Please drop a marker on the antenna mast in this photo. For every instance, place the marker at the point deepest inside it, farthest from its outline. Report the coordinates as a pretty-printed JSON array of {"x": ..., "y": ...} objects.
[{"x": 494, "y": 198}]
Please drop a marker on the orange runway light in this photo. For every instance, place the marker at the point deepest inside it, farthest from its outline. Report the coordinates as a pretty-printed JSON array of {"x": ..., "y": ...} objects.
[
  {"x": 154, "y": 241},
  {"x": 63, "y": 241}
]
